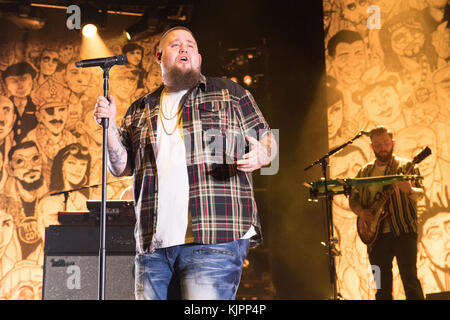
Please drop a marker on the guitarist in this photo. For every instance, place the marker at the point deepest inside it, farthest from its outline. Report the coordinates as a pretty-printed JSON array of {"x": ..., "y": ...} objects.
[{"x": 397, "y": 235}]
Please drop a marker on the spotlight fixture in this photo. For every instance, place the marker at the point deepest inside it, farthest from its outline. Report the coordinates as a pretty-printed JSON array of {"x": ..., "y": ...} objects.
[
  {"x": 92, "y": 19},
  {"x": 146, "y": 26},
  {"x": 158, "y": 18},
  {"x": 23, "y": 15}
]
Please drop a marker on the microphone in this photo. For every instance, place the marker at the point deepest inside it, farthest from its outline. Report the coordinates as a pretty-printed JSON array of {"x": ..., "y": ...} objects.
[
  {"x": 365, "y": 133},
  {"x": 102, "y": 62}
]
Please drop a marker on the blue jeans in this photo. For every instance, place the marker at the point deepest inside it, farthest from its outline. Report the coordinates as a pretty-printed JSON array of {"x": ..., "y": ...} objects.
[{"x": 191, "y": 271}]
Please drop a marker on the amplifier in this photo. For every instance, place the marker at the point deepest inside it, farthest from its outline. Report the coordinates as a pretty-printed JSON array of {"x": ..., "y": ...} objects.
[{"x": 71, "y": 263}]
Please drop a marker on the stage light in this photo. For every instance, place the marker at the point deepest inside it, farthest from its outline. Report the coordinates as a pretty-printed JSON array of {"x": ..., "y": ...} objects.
[
  {"x": 158, "y": 18},
  {"x": 234, "y": 79},
  {"x": 92, "y": 19},
  {"x": 23, "y": 15},
  {"x": 89, "y": 30},
  {"x": 144, "y": 27},
  {"x": 248, "y": 80}
]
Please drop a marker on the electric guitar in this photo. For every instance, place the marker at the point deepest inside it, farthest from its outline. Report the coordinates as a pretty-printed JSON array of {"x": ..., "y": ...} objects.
[{"x": 368, "y": 232}]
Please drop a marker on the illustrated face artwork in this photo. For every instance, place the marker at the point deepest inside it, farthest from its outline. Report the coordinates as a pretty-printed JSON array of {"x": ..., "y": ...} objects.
[
  {"x": 436, "y": 239},
  {"x": 77, "y": 78},
  {"x": 53, "y": 118},
  {"x": 407, "y": 42},
  {"x": 19, "y": 86},
  {"x": 74, "y": 170},
  {"x": 49, "y": 62},
  {"x": 26, "y": 165},
  {"x": 411, "y": 141},
  {"x": 350, "y": 62},
  {"x": 6, "y": 229},
  {"x": 134, "y": 57},
  {"x": 335, "y": 118},
  {"x": 7, "y": 117},
  {"x": 382, "y": 105}
]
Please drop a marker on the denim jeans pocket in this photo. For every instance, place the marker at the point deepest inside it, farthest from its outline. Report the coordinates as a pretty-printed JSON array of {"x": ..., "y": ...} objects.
[{"x": 217, "y": 265}]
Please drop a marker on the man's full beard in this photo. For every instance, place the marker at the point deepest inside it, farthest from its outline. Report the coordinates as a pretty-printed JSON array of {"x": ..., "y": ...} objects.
[
  {"x": 385, "y": 157},
  {"x": 33, "y": 185},
  {"x": 177, "y": 79}
]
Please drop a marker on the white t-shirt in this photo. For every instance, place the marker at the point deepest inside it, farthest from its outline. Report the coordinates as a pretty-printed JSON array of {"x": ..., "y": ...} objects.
[{"x": 173, "y": 182}]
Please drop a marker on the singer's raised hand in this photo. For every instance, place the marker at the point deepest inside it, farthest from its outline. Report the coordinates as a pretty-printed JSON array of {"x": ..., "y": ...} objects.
[{"x": 105, "y": 109}]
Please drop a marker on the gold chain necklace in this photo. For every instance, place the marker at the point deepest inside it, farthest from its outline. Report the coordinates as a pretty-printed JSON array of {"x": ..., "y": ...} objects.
[
  {"x": 174, "y": 129},
  {"x": 163, "y": 115}
]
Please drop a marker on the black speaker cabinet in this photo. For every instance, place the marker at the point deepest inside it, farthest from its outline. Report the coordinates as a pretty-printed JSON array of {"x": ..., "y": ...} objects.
[{"x": 71, "y": 263}]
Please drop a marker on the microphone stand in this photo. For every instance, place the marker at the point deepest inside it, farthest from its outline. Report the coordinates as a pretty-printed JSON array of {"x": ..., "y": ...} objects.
[
  {"x": 102, "y": 249},
  {"x": 332, "y": 241}
]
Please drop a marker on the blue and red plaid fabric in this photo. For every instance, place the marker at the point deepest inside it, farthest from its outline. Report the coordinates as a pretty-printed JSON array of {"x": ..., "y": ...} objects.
[{"x": 216, "y": 116}]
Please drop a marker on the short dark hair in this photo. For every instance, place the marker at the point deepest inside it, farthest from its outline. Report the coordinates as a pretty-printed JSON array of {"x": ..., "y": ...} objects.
[
  {"x": 380, "y": 130},
  {"x": 19, "y": 69},
  {"x": 169, "y": 31},
  {"x": 12, "y": 207},
  {"x": 131, "y": 47},
  {"x": 23, "y": 145},
  {"x": 347, "y": 36}
]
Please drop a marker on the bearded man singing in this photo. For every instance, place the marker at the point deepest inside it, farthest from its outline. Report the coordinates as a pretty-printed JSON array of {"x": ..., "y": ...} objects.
[{"x": 185, "y": 145}]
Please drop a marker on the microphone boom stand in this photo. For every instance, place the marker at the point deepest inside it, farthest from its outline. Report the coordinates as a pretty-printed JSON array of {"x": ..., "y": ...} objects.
[
  {"x": 102, "y": 249},
  {"x": 332, "y": 251}
]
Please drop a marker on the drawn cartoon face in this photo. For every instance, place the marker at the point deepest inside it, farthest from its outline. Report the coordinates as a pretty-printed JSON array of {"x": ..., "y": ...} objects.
[
  {"x": 350, "y": 62},
  {"x": 6, "y": 229},
  {"x": 7, "y": 117},
  {"x": 410, "y": 141},
  {"x": 123, "y": 82},
  {"x": 335, "y": 118},
  {"x": 74, "y": 169},
  {"x": 19, "y": 86},
  {"x": 49, "y": 62},
  {"x": 355, "y": 11},
  {"x": 77, "y": 78},
  {"x": 66, "y": 52},
  {"x": 134, "y": 57},
  {"x": 153, "y": 79},
  {"x": 408, "y": 42},
  {"x": 53, "y": 118},
  {"x": 436, "y": 239},
  {"x": 26, "y": 165},
  {"x": 382, "y": 105}
]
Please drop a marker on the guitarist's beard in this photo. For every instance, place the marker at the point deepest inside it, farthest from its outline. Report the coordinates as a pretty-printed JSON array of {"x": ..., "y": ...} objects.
[{"x": 384, "y": 156}]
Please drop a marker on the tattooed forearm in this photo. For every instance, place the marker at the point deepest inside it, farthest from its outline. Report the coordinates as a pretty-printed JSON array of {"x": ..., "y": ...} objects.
[{"x": 117, "y": 155}]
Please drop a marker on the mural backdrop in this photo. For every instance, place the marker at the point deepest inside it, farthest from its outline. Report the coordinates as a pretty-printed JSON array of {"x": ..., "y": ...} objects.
[
  {"x": 49, "y": 141},
  {"x": 387, "y": 64}
]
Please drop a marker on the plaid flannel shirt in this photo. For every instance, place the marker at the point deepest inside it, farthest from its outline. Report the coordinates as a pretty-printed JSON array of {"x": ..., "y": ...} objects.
[{"x": 216, "y": 116}]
